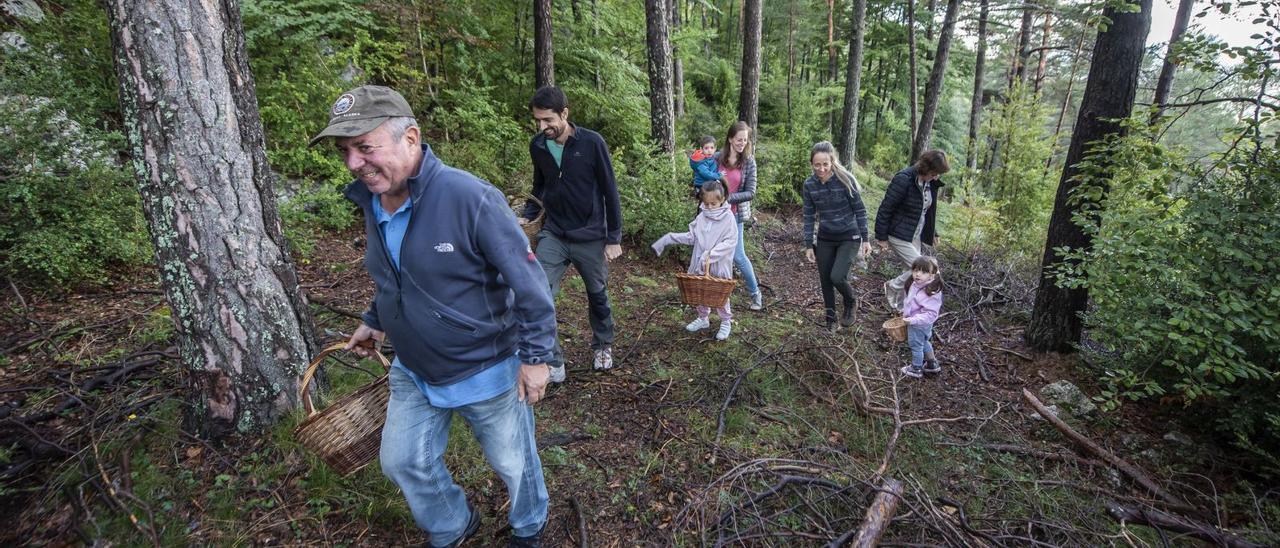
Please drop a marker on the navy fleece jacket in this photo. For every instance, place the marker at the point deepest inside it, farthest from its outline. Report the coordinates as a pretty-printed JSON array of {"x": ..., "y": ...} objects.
[
  {"x": 469, "y": 293},
  {"x": 580, "y": 194}
]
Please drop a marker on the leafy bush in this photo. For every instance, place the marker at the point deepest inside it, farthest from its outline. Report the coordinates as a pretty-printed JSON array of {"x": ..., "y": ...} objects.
[
  {"x": 1186, "y": 303},
  {"x": 655, "y": 200},
  {"x": 1017, "y": 147}
]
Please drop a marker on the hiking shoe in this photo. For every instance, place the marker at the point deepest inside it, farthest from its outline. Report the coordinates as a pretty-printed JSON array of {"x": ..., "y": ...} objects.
[
  {"x": 473, "y": 525},
  {"x": 912, "y": 371},
  {"x": 846, "y": 319},
  {"x": 531, "y": 541},
  {"x": 757, "y": 301},
  {"x": 932, "y": 366},
  {"x": 698, "y": 325},
  {"x": 725, "y": 327},
  {"x": 557, "y": 373},
  {"x": 604, "y": 359}
]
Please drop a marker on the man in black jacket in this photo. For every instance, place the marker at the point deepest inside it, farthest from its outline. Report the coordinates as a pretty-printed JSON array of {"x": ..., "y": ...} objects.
[
  {"x": 573, "y": 177},
  {"x": 907, "y": 216}
]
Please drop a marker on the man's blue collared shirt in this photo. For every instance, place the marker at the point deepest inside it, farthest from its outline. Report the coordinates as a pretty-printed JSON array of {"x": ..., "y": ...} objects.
[{"x": 492, "y": 381}]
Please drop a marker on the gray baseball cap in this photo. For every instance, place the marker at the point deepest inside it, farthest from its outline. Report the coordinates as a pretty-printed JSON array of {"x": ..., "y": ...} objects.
[{"x": 362, "y": 110}]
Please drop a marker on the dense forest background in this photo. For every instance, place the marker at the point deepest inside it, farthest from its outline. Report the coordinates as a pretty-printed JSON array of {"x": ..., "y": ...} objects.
[{"x": 1179, "y": 205}]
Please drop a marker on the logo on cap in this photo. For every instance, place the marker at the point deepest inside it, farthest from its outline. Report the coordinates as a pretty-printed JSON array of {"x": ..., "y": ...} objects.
[{"x": 343, "y": 104}]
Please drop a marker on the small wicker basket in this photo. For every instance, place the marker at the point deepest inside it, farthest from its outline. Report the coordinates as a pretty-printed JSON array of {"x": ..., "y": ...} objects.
[
  {"x": 896, "y": 328},
  {"x": 348, "y": 433},
  {"x": 704, "y": 290},
  {"x": 532, "y": 228}
]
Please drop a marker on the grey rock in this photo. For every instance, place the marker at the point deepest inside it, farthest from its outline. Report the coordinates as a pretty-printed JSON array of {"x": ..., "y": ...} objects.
[
  {"x": 14, "y": 41},
  {"x": 1178, "y": 438},
  {"x": 351, "y": 73},
  {"x": 1068, "y": 397},
  {"x": 26, "y": 10},
  {"x": 1052, "y": 409}
]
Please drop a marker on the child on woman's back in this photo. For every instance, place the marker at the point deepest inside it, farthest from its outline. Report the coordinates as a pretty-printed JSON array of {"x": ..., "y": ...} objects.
[
  {"x": 920, "y": 310},
  {"x": 703, "y": 163},
  {"x": 714, "y": 237}
]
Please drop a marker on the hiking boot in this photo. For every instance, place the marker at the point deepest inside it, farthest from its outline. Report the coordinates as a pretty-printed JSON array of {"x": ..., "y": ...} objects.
[
  {"x": 757, "y": 301},
  {"x": 604, "y": 359},
  {"x": 932, "y": 367},
  {"x": 913, "y": 371},
  {"x": 473, "y": 525},
  {"x": 698, "y": 325},
  {"x": 846, "y": 319},
  {"x": 725, "y": 327},
  {"x": 557, "y": 373},
  {"x": 531, "y": 541}
]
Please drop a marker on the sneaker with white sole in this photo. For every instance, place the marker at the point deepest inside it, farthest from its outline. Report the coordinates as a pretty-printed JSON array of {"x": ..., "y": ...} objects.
[
  {"x": 698, "y": 325},
  {"x": 913, "y": 371},
  {"x": 757, "y": 301},
  {"x": 604, "y": 359},
  {"x": 725, "y": 327},
  {"x": 557, "y": 373}
]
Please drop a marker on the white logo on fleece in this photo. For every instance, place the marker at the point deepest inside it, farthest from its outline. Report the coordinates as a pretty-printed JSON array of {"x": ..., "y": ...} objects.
[{"x": 444, "y": 247}]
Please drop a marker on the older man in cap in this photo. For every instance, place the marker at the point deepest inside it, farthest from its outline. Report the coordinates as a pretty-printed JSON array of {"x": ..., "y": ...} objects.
[{"x": 467, "y": 306}]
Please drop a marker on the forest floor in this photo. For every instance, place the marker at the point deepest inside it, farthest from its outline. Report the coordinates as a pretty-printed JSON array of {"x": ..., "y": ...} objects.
[{"x": 780, "y": 435}]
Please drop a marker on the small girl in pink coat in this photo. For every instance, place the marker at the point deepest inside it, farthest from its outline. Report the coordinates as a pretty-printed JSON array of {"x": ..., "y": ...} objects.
[
  {"x": 714, "y": 237},
  {"x": 920, "y": 310}
]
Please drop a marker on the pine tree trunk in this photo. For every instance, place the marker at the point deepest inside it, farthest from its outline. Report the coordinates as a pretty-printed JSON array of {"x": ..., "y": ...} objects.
[
  {"x": 677, "y": 67},
  {"x": 928, "y": 29},
  {"x": 933, "y": 90},
  {"x": 544, "y": 59},
  {"x": 1108, "y": 97},
  {"x": 913, "y": 86},
  {"x": 749, "y": 94},
  {"x": 1024, "y": 44},
  {"x": 791, "y": 54},
  {"x": 975, "y": 105},
  {"x": 661, "y": 111},
  {"x": 1044, "y": 49},
  {"x": 1165, "y": 82},
  {"x": 190, "y": 109},
  {"x": 853, "y": 84}
]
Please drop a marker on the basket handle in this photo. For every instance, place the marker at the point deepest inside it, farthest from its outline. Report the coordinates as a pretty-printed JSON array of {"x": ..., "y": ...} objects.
[
  {"x": 542, "y": 210},
  {"x": 315, "y": 365},
  {"x": 706, "y": 268}
]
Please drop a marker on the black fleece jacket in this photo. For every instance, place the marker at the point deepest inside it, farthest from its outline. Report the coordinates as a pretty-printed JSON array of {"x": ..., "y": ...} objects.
[{"x": 580, "y": 194}]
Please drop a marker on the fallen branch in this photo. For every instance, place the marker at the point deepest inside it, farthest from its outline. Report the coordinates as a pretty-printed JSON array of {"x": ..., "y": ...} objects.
[
  {"x": 1160, "y": 520},
  {"x": 1128, "y": 469},
  {"x": 877, "y": 518},
  {"x": 1008, "y": 351},
  {"x": 582, "y": 523}
]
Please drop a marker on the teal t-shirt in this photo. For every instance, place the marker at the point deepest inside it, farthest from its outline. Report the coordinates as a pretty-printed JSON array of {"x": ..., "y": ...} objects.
[{"x": 556, "y": 150}]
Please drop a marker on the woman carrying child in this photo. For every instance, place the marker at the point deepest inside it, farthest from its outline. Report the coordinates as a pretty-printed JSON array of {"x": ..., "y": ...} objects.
[
  {"x": 738, "y": 171},
  {"x": 833, "y": 202},
  {"x": 920, "y": 310},
  {"x": 713, "y": 235}
]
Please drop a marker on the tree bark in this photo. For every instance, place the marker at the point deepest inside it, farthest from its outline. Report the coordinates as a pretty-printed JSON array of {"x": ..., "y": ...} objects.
[
  {"x": 191, "y": 115},
  {"x": 791, "y": 54},
  {"x": 853, "y": 84},
  {"x": 975, "y": 105},
  {"x": 1044, "y": 49},
  {"x": 1108, "y": 97},
  {"x": 911, "y": 67},
  {"x": 933, "y": 90},
  {"x": 749, "y": 94},
  {"x": 661, "y": 110},
  {"x": 1024, "y": 44},
  {"x": 544, "y": 57},
  {"x": 879, "y": 514},
  {"x": 1165, "y": 82},
  {"x": 677, "y": 67}
]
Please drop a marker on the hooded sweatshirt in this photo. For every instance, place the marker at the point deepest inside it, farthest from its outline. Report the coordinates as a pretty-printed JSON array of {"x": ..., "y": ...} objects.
[
  {"x": 713, "y": 235},
  {"x": 920, "y": 308}
]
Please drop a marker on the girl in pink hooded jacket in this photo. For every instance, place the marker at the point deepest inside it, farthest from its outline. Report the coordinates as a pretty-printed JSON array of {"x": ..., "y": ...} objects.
[
  {"x": 920, "y": 310},
  {"x": 714, "y": 237}
]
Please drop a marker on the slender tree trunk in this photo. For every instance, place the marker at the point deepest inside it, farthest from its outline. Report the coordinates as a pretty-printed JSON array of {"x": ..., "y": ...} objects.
[
  {"x": 544, "y": 70},
  {"x": 595, "y": 35},
  {"x": 1165, "y": 82},
  {"x": 1024, "y": 44},
  {"x": 928, "y": 29},
  {"x": 911, "y": 67},
  {"x": 677, "y": 67},
  {"x": 791, "y": 54},
  {"x": 1044, "y": 49},
  {"x": 933, "y": 90},
  {"x": 191, "y": 113},
  {"x": 749, "y": 94},
  {"x": 853, "y": 84},
  {"x": 975, "y": 105},
  {"x": 832, "y": 61},
  {"x": 1108, "y": 97},
  {"x": 661, "y": 113},
  {"x": 1066, "y": 99},
  {"x": 577, "y": 13}
]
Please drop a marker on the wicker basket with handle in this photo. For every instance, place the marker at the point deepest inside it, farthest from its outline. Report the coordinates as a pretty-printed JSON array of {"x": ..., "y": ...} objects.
[
  {"x": 348, "y": 433},
  {"x": 532, "y": 228},
  {"x": 896, "y": 328},
  {"x": 705, "y": 289}
]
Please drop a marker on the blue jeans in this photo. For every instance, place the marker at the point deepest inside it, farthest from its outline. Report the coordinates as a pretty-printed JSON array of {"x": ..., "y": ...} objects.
[
  {"x": 918, "y": 340},
  {"x": 741, "y": 261},
  {"x": 413, "y": 445}
]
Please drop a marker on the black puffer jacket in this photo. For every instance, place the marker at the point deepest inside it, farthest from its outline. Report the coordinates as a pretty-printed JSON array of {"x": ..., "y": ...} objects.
[{"x": 900, "y": 210}]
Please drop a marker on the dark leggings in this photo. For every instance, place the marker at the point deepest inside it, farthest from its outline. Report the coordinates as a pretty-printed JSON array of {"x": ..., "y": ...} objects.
[{"x": 834, "y": 259}]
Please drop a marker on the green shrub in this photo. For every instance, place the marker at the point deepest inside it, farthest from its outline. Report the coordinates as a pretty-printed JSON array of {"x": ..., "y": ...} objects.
[
  {"x": 1185, "y": 299},
  {"x": 1017, "y": 147}
]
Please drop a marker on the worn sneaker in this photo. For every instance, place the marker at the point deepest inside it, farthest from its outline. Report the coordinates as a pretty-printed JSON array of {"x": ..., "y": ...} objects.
[
  {"x": 698, "y": 325},
  {"x": 846, "y": 319},
  {"x": 725, "y": 327},
  {"x": 531, "y": 541},
  {"x": 912, "y": 371},
  {"x": 604, "y": 359},
  {"x": 757, "y": 301},
  {"x": 932, "y": 366},
  {"x": 557, "y": 373}
]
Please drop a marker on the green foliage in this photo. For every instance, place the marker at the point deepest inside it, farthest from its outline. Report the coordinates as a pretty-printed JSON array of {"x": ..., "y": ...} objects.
[
  {"x": 1017, "y": 147},
  {"x": 1183, "y": 285},
  {"x": 654, "y": 194}
]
